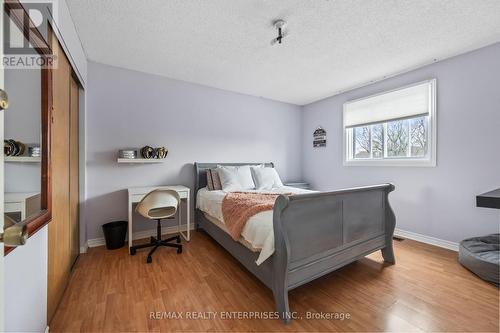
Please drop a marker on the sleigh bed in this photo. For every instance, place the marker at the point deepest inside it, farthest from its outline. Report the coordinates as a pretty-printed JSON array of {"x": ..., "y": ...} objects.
[{"x": 314, "y": 234}]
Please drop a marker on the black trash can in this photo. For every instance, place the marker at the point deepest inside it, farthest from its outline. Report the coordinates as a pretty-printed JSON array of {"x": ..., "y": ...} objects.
[{"x": 114, "y": 233}]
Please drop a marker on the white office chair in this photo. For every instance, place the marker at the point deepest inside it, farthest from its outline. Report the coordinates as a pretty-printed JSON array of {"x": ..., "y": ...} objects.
[{"x": 157, "y": 205}]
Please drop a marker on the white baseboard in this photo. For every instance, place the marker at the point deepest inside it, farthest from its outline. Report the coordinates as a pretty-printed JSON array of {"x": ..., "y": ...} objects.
[
  {"x": 96, "y": 242},
  {"x": 173, "y": 229},
  {"x": 84, "y": 248},
  {"x": 139, "y": 235},
  {"x": 426, "y": 239}
]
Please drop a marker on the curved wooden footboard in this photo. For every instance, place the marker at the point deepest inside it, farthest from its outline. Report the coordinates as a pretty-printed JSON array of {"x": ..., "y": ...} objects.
[{"x": 320, "y": 232}]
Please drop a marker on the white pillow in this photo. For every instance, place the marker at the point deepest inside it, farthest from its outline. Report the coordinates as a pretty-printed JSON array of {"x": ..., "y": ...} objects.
[
  {"x": 266, "y": 178},
  {"x": 235, "y": 178}
]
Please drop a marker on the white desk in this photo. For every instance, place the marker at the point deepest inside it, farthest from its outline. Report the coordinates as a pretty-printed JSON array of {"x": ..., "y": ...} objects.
[
  {"x": 26, "y": 203},
  {"x": 135, "y": 194}
]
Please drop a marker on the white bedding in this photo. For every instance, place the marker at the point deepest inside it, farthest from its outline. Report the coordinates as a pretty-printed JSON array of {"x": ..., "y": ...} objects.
[{"x": 259, "y": 229}]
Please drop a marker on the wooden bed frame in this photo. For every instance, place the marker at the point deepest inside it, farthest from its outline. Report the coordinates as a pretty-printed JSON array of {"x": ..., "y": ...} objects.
[{"x": 314, "y": 234}]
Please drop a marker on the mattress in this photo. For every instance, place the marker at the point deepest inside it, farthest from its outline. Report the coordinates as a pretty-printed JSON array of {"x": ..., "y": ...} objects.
[
  {"x": 222, "y": 226},
  {"x": 258, "y": 233}
]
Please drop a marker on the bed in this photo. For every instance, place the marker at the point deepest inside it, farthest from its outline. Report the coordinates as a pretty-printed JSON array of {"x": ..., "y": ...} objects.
[{"x": 314, "y": 234}]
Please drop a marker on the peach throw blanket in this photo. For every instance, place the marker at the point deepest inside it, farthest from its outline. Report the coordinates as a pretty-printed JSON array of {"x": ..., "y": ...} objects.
[{"x": 239, "y": 207}]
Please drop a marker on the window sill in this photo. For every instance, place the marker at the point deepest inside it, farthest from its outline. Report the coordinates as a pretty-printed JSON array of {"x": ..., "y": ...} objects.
[{"x": 392, "y": 163}]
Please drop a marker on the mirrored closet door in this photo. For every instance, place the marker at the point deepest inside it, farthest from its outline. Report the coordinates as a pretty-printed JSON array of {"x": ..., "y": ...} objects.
[
  {"x": 22, "y": 144},
  {"x": 27, "y": 197}
]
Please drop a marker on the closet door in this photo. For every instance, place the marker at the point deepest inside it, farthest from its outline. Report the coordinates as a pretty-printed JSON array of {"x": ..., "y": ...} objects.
[
  {"x": 64, "y": 240},
  {"x": 59, "y": 228},
  {"x": 74, "y": 173}
]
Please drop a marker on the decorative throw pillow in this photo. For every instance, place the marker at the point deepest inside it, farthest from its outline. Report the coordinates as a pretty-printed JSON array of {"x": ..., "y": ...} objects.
[
  {"x": 210, "y": 180},
  {"x": 235, "y": 178},
  {"x": 216, "y": 179},
  {"x": 213, "y": 180},
  {"x": 266, "y": 178}
]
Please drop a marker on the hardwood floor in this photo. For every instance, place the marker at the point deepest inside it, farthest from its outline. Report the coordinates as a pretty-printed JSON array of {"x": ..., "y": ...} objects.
[{"x": 427, "y": 290}]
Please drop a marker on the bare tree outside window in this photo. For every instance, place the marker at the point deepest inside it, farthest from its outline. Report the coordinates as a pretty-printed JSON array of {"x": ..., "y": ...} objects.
[
  {"x": 418, "y": 129},
  {"x": 362, "y": 142},
  {"x": 398, "y": 135},
  {"x": 397, "y": 138},
  {"x": 378, "y": 140}
]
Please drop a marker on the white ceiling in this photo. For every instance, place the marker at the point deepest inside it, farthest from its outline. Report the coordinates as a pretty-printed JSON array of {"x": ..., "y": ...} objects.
[{"x": 334, "y": 45}]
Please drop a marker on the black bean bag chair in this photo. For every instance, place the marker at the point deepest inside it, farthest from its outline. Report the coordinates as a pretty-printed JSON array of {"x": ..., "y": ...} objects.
[{"x": 481, "y": 255}]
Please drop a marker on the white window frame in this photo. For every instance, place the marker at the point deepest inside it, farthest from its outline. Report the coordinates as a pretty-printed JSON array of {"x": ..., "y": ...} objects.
[{"x": 428, "y": 161}]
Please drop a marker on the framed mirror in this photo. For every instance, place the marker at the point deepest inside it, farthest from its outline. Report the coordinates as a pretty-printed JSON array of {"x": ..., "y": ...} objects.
[{"x": 27, "y": 189}]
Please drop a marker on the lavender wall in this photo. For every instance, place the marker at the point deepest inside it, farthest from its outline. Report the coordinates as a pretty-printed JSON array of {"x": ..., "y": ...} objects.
[
  {"x": 196, "y": 123},
  {"x": 440, "y": 201}
]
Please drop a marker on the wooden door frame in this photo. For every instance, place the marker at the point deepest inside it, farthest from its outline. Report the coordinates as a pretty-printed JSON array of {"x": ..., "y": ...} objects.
[
  {"x": 18, "y": 14},
  {"x": 74, "y": 120}
]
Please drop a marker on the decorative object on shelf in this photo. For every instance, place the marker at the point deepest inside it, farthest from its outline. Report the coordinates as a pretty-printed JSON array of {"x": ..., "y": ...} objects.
[
  {"x": 13, "y": 148},
  {"x": 20, "y": 148},
  {"x": 10, "y": 147},
  {"x": 319, "y": 137},
  {"x": 148, "y": 152},
  {"x": 161, "y": 152},
  {"x": 7, "y": 148},
  {"x": 128, "y": 153},
  {"x": 34, "y": 151}
]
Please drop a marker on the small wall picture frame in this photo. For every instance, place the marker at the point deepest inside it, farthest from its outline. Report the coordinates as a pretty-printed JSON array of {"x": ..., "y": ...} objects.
[{"x": 319, "y": 138}]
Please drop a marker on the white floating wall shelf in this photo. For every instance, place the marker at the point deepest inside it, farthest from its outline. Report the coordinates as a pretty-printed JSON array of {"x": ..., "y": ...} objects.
[
  {"x": 122, "y": 156},
  {"x": 140, "y": 160},
  {"x": 23, "y": 159}
]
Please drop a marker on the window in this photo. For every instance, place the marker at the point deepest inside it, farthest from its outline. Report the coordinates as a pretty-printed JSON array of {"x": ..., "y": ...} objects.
[{"x": 392, "y": 128}]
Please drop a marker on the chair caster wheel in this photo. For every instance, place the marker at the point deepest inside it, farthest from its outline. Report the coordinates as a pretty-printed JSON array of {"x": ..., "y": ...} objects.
[
  {"x": 132, "y": 251},
  {"x": 179, "y": 250},
  {"x": 149, "y": 260}
]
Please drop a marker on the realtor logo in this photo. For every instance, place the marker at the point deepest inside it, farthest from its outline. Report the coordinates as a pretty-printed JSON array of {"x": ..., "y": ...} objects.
[{"x": 25, "y": 34}]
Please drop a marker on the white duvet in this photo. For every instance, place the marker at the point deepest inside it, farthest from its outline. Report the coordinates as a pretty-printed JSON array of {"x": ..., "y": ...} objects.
[{"x": 259, "y": 229}]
